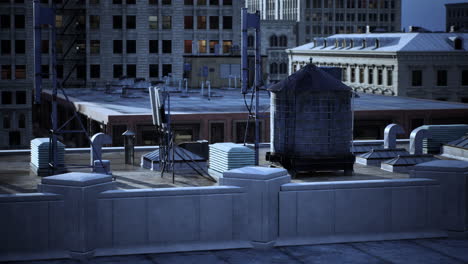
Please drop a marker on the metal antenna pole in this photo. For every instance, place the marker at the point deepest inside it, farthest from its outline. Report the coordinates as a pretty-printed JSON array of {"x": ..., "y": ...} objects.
[
  {"x": 37, "y": 52},
  {"x": 258, "y": 84}
]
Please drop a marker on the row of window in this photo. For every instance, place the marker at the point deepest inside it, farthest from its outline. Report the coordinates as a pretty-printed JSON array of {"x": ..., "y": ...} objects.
[
  {"x": 133, "y": 2},
  {"x": 350, "y": 17},
  {"x": 6, "y": 72},
  {"x": 7, "y": 122},
  {"x": 281, "y": 68},
  {"x": 18, "y": 21},
  {"x": 370, "y": 76},
  {"x": 7, "y": 97},
  {"x": 350, "y": 4},
  {"x": 441, "y": 78}
]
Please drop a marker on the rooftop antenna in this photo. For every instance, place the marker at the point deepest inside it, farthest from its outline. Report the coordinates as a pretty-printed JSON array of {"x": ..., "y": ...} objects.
[
  {"x": 252, "y": 20},
  {"x": 46, "y": 16}
]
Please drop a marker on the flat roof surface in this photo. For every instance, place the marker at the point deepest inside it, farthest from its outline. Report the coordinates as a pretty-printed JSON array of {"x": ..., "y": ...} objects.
[
  {"x": 100, "y": 105},
  {"x": 428, "y": 251}
]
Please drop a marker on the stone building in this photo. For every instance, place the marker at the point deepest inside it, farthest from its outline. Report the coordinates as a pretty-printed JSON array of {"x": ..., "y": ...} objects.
[
  {"x": 421, "y": 65},
  {"x": 456, "y": 15}
]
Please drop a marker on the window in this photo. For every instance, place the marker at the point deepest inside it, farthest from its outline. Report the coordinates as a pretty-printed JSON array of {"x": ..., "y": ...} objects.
[
  {"x": 201, "y": 22},
  {"x": 353, "y": 75},
  {"x": 379, "y": 77},
  {"x": 5, "y": 21},
  {"x": 20, "y": 72},
  {"x": 117, "y": 46},
  {"x": 153, "y": 46},
  {"x": 166, "y": 2},
  {"x": 227, "y": 2},
  {"x": 283, "y": 41},
  {"x": 202, "y": 46},
  {"x": 117, "y": 22},
  {"x": 93, "y": 2},
  {"x": 370, "y": 73},
  {"x": 153, "y": 70},
  {"x": 441, "y": 78},
  {"x": 361, "y": 75},
  {"x": 213, "y": 46},
  {"x": 214, "y": 2},
  {"x": 94, "y": 22},
  {"x": 59, "y": 46},
  {"x": 20, "y": 46},
  {"x": 416, "y": 78},
  {"x": 131, "y": 70},
  {"x": 131, "y": 46},
  {"x": 250, "y": 41},
  {"x": 130, "y": 2},
  {"x": 389, "y": 77},
  {"x": 117, "y": 2},
  {"x": 188, "y": 2},
  {"x": 6, "y": 46},
  {"x": 214, "y": 22},
  {"x": 153, "y": 2},
  {"x": 6, "y": 72},
  {"x": 273, "y": 68},
  {"x": 227, "y": 44},
  {"x": 22, "y": 121},
  {"x": 216, "y": 132},
  {"x": 227, "y": 22},
  {"x": 167, "y": 46},
  {"x": 95, "y": 46},
  {"x": 45, "y": 71},
  {"x": 274, "y": 41},
  {"x": 60, "y": 71},
  {"x": 166, "y": 69},
  {"x": 7, "y": 98},
  {"x": 464, "y": 77},
  {"x": 95, "y": 71},
  {"x": 167, "y": 22},
  {"x": 131, "y": 22},
  {"x": 19, "y": 21},
  {"x": 458, "y": 44},
  {"x": 283, "y": 68},
  {"x": 81, "y": 71},
  {"x": 45, "y": 46},
  {"x": 188, "y": 22},
  {"x": 153, "y": 22},
  {"x": 117, "y": 71},
  {"x": 6, "y": 121},
  {"x": 188, "y": 46},
  {"x": 20, "y": 97},
  {"x": 344, "y": 74},
  {"x": 201, "y": 2},
  {"x": 14, "y": 138}
]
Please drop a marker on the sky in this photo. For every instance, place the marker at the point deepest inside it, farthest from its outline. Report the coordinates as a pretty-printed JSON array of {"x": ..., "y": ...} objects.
[{"x": 429, "y": 14}]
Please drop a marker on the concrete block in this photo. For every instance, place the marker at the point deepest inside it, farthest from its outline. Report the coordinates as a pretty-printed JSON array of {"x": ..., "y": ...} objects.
[
  {"x": 434, "y": 207},
  {"x": 409, "y": 209},
  {"x": 288, "y": 214},
  {"x": 105, "y": 223},
  {"x": 315, "y": 213},
  {"x": 129, "y": 223},
  {"x": 365, "y": 210},
  {"x": 240, "y": 216},
  {"x": 216, "y": 217}
]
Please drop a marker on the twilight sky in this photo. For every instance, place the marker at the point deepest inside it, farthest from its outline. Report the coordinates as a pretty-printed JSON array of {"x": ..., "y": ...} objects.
[{"x": 429, "y": 14}]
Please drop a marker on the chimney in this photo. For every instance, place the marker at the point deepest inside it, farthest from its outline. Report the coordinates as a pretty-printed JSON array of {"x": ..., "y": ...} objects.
[
  {"x": 452, "y": 29},
  {"x": 368, "y": 31}
]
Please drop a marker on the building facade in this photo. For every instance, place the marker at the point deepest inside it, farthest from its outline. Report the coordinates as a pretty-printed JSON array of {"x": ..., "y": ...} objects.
[
  {"x": 420, "y": 65},
  {"x": 456, "y": 15}
]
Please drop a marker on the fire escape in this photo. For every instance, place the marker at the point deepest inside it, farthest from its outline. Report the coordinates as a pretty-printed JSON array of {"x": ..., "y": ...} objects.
[{"x": 72, "y": 36}]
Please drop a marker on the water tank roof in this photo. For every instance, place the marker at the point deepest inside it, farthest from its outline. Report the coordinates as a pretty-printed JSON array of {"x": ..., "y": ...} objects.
[{"x": 310, "y": 77}]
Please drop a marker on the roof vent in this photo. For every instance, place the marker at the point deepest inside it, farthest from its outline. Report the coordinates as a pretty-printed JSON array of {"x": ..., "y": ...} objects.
[
  {"x": 452, "y": 29},
  {"x": 368, "y": 29}
]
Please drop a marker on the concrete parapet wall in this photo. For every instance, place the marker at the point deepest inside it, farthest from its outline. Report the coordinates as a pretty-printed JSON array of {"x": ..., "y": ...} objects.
[
  {"x": 331, "y": 212},
  {"x": 32, "y": 226},
  {"x": 172, "y": 219}
]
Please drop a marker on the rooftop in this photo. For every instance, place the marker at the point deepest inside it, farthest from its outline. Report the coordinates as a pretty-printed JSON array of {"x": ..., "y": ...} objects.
[{"x": 101, "y": 105}]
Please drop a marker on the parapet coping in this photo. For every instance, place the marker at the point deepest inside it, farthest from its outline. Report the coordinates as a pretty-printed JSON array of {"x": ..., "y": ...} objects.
[
  {"x": 155, "y": 192},
  {"x": 29, "y": 197},
  {"x": 357, "y": 184}
]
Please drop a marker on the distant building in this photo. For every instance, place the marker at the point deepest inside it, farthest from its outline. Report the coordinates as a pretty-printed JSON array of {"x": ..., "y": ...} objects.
[
  {"x": 456, "y": 16},
  {"x": 322, "y": 18},
  {"x": 421, "y": 65}
]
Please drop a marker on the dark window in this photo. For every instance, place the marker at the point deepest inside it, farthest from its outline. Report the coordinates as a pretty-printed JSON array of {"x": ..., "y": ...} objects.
[
  {"x": 214, "y": 22},
  {"x": 166, "y": 22},
  {"x": 131, "y": 46},
  {"x": 19, "y": 21},
  {"x": 130, "y": 2},
  {"x": 153, "y": 46},
  {"x": 188, "y": 22},
  {"x": 95, "y": 71},
  {"x": 216, "y": 132},
  {"x": 167, "y": 46},
  {"x": 273, "y": 41},
  {"x": 95, "y": 21},
  {"x": 188, "y": 2},
  {"x": 14, "y": 138},
  {"x": 353, "y": 75},
  {"x": 416, "y": 78},
  {"x": 6, "y": 122},
  {"x": 441, "y": 78},
  {"x": 370, "y": 73},
  {"x": 20, "y": 46},
  {"x": 389, "y": 77},
  {"x": 201, "y": 22},
  {"x": 7, "y": 98},
  {"x": 458, "y": 44},
  {"x": 250, "y": 41},
  {"x": 20, "y": 72},
  {"x": 6, "y": 72},
  {"x": 131, "y": 70},
  {"x": 60, "y": 71},
  {"x": 117, "y": 2},
  {"x": 131, "y": 22},
  {"x": 201, "y": 2},
  {"x": 5, "y": 21},
  {"x": 188, "y": 46},
  {"x": 214, "y": 2},
  {"x": 273, "y": 68},
  {"x": 283, "y": 41},
  {"x": 45, "y": 71},
  {"x": 117, "y": 131},
  {"x": 95, "y": 46},
  {"x": 166, "y": 69},
  {"x": 214, "y": 46},
  {"x": 464, "y": 77},
  {"x": 283, "y": 68},
  {"x": 22, "y": 121},
  {"x": 379, "y": 77},
  {"x": 153, "y": 2},
  {"x": 118, "y": 46},
  {"x": 118, "y": 70},
  {"x": 6, "y": 46},
  {"x": 227, "y": 2},
  {"x": 81, "y": 71},
  {"x": 240, "y": 128},
  {"x": 116, "y": 22},
  {"x": 45, "y": 46},
  {"x": 166, "y": 2},
  {"x": 153, "y": 70},
  {"x": 227, "y": 22},
  {"x": 361, "y": 75}
]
